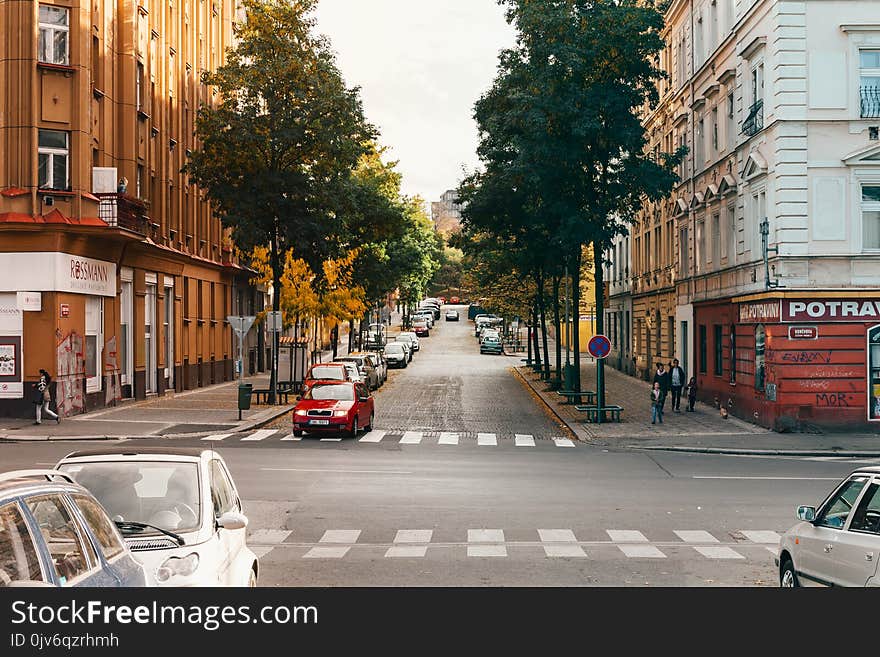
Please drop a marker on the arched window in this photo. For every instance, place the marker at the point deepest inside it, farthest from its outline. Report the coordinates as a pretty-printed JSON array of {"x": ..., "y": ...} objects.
[{"x": 759, "y": 357}]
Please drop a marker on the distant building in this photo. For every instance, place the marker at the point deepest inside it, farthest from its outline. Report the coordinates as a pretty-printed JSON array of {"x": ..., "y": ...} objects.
[{"x": 446, "y": 213}]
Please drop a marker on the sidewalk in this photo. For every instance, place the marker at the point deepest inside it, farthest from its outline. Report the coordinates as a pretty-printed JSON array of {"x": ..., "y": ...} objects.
[{"x": 704, "y": 430}]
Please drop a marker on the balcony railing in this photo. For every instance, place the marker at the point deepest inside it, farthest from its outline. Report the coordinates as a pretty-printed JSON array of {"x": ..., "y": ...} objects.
[
  {"x": 125, "y": 212},
  {"x": 754, "y": 122},
  {"x": 870, "y": 102}
]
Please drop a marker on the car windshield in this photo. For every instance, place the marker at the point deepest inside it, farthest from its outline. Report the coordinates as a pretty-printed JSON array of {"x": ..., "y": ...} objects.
[
  {"x": 357, "y": 360},
  {"x": 327, "y": 372},
  {"x": 394, "y": 349},
  {"x": 160, "y": 493},
  {"x": 404, "y": 338},
  {"x": 337, "y": 391}
]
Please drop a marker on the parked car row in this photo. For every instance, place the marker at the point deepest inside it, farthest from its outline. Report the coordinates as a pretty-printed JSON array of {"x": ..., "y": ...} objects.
[{"x": 125, "y": 517}]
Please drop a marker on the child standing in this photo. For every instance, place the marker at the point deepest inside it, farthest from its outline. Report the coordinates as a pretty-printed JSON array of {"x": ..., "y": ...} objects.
[
  {"x": 656, "y": 403},
  {"x": 692, "y": 393}
]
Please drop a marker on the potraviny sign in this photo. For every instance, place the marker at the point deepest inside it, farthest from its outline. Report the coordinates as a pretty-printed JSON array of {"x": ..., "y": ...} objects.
[{"x": 830, "y": 310}]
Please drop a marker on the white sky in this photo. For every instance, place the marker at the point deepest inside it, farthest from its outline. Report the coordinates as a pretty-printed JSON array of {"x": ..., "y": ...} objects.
[{"x": 421, "y": 66}]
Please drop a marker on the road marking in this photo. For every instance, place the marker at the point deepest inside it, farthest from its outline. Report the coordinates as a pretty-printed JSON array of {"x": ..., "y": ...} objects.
[
  {"x": 261, "y": 550},
  {"x": 557, "y": 536},
  {"x": 413, "y": 535},
  {"x": 340, "y": 536},
  {"x": 485, "y": 535},
  {"x": 486, "y": 551},
  {"x": 217, "y": 436},
  {"x": 269, "y": 536},
  {"x": 626, "y": 536},
  {"x": 641, "y": 552},
  {"x": 397, "y": 472},
  {"x": 714, "y": 552},
  {"x": 772, "y": 550},
  {"x": 523, "y": 440},
  {"x": 374, "y": 436},
  {"x": 771, "y": 478},
  {"x": 761, "y": 536},
  {"x": 331, "y": 440},
  {"x": 326, "y": 553},
  {"x": 563, "y": 442},
  {"x": 290, "y": 436},
  {"x": 412, "y": 551},
  {"x": 260, "y": 435},
  {"x": 564, "y": 551},
  {"x": 411, "y": 438},
  {"x": 486, "y": 439},
  {"x": 448, "y": 438},
  {"x": 695, "y": 536}
]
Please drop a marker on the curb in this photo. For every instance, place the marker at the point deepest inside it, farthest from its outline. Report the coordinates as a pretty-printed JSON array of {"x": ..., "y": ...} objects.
[
  {"x": 574, "y": 431},
  {"x": 758, "y": 452}
]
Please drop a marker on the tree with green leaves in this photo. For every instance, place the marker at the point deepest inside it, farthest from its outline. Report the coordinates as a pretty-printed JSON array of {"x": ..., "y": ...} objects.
[{"x": 277, "y": 152}]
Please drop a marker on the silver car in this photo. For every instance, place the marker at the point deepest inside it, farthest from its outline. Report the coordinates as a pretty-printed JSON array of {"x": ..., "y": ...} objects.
[{"x": 838, "y": 543}]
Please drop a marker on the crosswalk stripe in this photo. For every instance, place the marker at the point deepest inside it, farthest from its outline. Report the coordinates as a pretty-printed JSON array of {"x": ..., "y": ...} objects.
[
  {"x": 327, "y": 552},
  {"x": 641, "y": 552},
  {"x": 557, "y": 536},
  {"x": 217, "y": 436},
  {"x": 448, "y": 438},
  {"x": 411, "y": 438},
  {"x": 486, "y": 439},
  {"x": 695, "y": 536},
  {"x": 374, "y": 436},
  {"x": 292, "y": 437},
  {"x": 331, "y": 440},
  {"x": 413, "y": 535},
  {"x": 260, "y": 435},
  {"x": 269, "y": 536},
  {"x": 486, "y": 551},
  {"x": 718, "y": 552},
  {"x": 524, "y": 440},
  {"x": 412, "y": 551},
  {"x": 760, "y": 536},
  {"x": 563, "y": 442},
  {"x": 340, "y": 536},
  {"x": 626, "y": 536},
  {"x": 485, "y": 535},
  {"x": 261, "y": 550},
  {"x": 564, "y": 551}
]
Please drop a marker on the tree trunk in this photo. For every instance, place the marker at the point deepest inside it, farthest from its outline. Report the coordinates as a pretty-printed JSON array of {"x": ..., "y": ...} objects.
[
  {"x": 277, "y": 272},
  {"x": 557, "y": 326},
  {"x": 334, "y": 336},
  {"x": 576, "y": 319},
  {"x": 350, "y": 335},
  {"x": 543, "y": 309},
  {"x": 535, "y": 335},
  {"x": 598, "y": 260}
]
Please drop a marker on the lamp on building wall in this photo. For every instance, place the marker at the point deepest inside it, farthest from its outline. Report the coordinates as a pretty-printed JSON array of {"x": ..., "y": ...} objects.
[{"x": 766, "y": 250}]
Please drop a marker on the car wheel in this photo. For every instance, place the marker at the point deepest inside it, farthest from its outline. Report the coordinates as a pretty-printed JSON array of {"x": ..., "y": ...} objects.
[
  {"x": 787, "y": 577},
  {"x": 252, "y": 579},
  {"x": 297, "y": 432},
  {"x": 354, "y": 429},
  {"x": 369, "y": 427}
]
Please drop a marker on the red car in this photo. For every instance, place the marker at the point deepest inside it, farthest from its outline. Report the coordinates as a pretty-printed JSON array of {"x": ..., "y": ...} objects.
[
  {"x": 325, "y": 372},
  {"x": 455, "y": 300},
  {"x": 334, "y": 406}
]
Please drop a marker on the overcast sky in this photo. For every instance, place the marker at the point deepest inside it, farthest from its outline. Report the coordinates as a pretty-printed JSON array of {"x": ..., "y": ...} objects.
[{"x": 421, "y": 65}]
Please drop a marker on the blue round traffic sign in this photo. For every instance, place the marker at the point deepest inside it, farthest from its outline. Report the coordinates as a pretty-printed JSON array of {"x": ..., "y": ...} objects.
[{"x": 599, "y": 346}]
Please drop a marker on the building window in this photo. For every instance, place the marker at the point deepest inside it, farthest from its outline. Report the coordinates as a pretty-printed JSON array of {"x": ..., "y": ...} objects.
[
  {"x": 683, "y": 252},
  {"x": 698, "y": 42},
  {"x": 719, "y": 350},
  {"x": 53, "y": 157},
  {"x": 54, "y": 42},
  {"x": 754, "y": 122},
  {"x": 871, "y": 216},
  {"x": 700, "y": 245},
  {"x": 759, "y": 357},
  {"x": 139, "y": 181},
  {"x": 716, "y": 241},
  {"x": 731, "y": 123},
  {"x": 732, "y": 337},
  {"x": 869, "y": 83},
  {"x": 139, "y": 87},
  {"x": 715, "y": 129},
  {"x": 700, "y": 149},
  {"x": 703, "y": 349}
]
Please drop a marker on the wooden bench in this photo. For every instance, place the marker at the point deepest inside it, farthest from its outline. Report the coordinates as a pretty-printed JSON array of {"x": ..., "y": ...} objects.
[
  {"x": 593, "y": 412},
  {"x": 569, "y": 396}
]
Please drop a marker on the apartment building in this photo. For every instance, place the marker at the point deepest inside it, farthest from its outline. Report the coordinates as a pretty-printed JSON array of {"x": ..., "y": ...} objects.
[
  {"x": 761, "y": 271},
  {"x": 117, "y": 277}
]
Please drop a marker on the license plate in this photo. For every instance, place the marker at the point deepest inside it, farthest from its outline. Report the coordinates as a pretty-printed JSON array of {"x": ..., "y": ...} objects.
[{"x": 319, "y": 421}]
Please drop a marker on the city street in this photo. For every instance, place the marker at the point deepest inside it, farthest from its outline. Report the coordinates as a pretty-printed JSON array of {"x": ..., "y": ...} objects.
[{"x": 467, "y": 480}]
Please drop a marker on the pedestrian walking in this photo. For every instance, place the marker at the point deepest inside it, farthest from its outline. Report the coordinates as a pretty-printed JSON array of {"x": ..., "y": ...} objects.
[
  {"x": 676, "y": 384},
  {"x": 656, "y": 403},
  {"x": 661, "y": 376},
  {"x": 692, "y": 393},
  {"x": 42, "y": 397}
]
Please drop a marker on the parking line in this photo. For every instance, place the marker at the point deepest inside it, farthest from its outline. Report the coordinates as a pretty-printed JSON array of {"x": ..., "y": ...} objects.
[
  {"x": 374, "y": 436},
  {"x": 448, "y": 438},
  {"x": 563, "y": 442},
  {"x": 523, "y": 440},
  {"x": 260, "y": 435},
  {"x": 331, "y": 440},
  {"x": 487, "y": 439},
  {"x": 292, "y": 437},
  {"x": 411, "y": 438}
]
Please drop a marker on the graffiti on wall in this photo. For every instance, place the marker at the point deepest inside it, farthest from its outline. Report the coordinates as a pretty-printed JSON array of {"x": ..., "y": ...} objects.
[
  {"x": 70, "y": 366},
  {"x": 112, "y": 386}
]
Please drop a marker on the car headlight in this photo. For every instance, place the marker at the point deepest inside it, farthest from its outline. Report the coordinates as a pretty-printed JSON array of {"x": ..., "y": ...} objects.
[
  {"x": 301, "y": 411},
  {"x": 340, "y": 413},
  {"x": 182, "y": 566}
]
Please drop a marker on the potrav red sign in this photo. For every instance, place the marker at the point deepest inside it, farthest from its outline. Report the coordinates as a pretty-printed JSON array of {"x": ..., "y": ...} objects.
[{"x": 830, "y": 310}]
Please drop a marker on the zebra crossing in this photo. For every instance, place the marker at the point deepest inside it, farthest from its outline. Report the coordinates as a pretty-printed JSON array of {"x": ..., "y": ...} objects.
[
  {"x": 743, "y": 545},
  {"x": 400, "y": 437}
]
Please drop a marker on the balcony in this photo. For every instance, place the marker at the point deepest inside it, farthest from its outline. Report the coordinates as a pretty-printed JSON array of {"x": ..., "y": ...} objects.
[
  {"x": 125, "y": 212},
  {"x": 754, "y": 122},
  {"x": 869, "y": 98}
]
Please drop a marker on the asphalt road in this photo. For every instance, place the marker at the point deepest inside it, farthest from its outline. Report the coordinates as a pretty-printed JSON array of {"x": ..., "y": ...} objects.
[{"x": 450, "y": 496}]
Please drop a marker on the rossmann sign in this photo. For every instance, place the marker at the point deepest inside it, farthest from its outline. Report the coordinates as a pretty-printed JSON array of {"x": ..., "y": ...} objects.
[{"x": 830, "y": 310}]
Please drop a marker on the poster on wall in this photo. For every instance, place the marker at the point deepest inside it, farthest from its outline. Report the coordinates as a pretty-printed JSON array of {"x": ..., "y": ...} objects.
[
  {"x": 874, "y": 373},
  {"x": 7, "y": 360}
]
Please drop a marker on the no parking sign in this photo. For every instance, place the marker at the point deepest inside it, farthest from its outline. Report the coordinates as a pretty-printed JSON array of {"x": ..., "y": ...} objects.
[{"x": 599, "y": 346}]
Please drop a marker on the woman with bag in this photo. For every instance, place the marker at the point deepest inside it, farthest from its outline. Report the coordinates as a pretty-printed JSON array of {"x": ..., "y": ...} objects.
[{"x": 42, "y": 397}]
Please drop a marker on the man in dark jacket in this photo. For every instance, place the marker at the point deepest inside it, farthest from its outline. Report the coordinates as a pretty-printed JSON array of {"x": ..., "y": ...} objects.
[
  {"x": 677, "y": 381},
  {"x": 661, "y": 376}
]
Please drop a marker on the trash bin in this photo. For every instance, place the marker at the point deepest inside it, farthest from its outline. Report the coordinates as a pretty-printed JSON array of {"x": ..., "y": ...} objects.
[
  {"x": 568, "y": 372},
  {"x": 245, "y": 390}
]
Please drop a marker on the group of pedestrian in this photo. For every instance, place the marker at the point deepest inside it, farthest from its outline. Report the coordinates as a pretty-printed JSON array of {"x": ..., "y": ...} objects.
[{"x": 671, "y": 380}]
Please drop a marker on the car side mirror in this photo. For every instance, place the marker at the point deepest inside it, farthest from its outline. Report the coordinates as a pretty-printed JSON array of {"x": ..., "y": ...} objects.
[
  {"x": 363, "y": 399},
  {"x": 232, "y": 520},
  {"x": 298, "y": 397},
  {"x": 806, "y": 513}
]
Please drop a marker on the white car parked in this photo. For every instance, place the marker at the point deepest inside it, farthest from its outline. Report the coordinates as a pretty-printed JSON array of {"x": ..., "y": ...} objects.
[
  {"x": 837, "y": 544},
  {"x": 178, "y": 510}
]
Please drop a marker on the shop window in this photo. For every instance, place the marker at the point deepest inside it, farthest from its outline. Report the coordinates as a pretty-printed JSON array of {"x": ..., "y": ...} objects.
[
  {"x": 874, "y": 372},
  {"x": 760, "y": 337},
  {"x": 703, "y": 349},
  {"x": 733, "y": 353},
  {"x": 54, "y": 42},
  {"x": 719, "y": 350}
]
